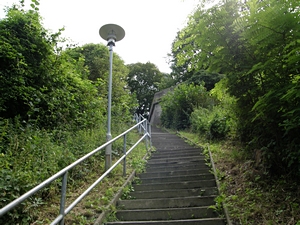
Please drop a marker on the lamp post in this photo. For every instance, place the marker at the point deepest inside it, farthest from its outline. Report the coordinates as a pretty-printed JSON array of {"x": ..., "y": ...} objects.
[{"x": 111, "y": 33}]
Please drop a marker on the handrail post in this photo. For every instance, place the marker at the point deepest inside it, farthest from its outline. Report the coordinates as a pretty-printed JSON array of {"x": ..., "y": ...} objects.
[
  {"x": 63, "y": 197},
  {"x": 124, "y": 161},
  {"x": 145, "y": 132},
  {"x": 149, "y": 132},
  {"x": 142, "y": 124}
]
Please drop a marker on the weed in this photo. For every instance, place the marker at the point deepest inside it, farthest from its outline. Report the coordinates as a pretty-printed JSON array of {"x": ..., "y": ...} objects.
[
  {"x": 218, "y": 207},
  {"x": 169, "y": 216},
  {"x": 251, "y": 195},
  {"x": 47, "y": 153},
  {"x": 112, "y": 215},
  {"x": 137, "y": 180},
  {"x": 126, "y": 192}
]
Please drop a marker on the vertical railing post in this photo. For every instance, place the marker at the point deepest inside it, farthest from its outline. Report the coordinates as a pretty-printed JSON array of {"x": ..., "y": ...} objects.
[
  {"x": 140, "y": 126},
  {"x": 149, "y": 132},
  {"x": 145, "y": 131},
  {"x": 124, "y": 161},
  {"x": 63, "y": 197}
]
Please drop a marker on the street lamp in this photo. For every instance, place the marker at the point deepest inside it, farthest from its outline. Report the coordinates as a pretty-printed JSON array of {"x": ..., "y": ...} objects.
[{"x": 111, "y": 33}]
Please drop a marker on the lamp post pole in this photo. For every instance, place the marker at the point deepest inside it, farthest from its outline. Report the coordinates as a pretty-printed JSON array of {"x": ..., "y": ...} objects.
[
  {"x": 108, "y": 134},
  {"x": 112, "y": 33}
]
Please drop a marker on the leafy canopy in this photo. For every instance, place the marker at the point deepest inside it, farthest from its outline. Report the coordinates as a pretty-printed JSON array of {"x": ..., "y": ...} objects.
[
  {"x": 256, "y": 45},
  {"x": 143, "y": 80}
]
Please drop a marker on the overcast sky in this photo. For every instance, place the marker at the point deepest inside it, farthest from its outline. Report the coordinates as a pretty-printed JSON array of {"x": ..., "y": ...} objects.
[{"x": 150, "y": 25}]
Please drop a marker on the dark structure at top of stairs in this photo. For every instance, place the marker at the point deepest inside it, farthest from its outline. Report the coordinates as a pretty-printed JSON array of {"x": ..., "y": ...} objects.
[{"x": 177, "y": 187}]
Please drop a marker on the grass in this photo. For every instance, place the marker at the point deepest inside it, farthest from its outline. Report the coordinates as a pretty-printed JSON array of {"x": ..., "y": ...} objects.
[
  {"x": 45, "y": 208},
  {"x": 250, "y": 194},
  {"x": 87, "y": 211}
]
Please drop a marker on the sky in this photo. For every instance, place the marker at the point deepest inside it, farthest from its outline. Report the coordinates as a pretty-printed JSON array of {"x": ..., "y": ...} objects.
[{"x": 150, "y": 25}]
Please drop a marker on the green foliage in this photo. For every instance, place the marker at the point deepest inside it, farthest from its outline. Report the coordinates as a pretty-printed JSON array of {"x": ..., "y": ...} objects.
[
  {"x": 216, "y": 122},
  {"x": 25, "y": 53},
  {"x": 178, "y": 105},
  {"x": 45, "y": 87},
  {"x": 143, "y": 80},
  {"x": 94, "y": 58},
  {"x": 274, "y": 30},
  {"x": 251, "y": 196},
  {"x": 18, "y": 175},
  {"x": 202, "y": 76},
  {"x": 256, "y": 44},
  {"x": 126, "y": 192},
  {"x": 52, "y": 110},
  {"x": 46, "y": 153},
  {"x": 200, "y": 120},
  {"x": 191, "y": 106},
  {"x": 218, "y": 126},
  {"x": 207, "y": 42},
  {"x": 167, "y": 81}
]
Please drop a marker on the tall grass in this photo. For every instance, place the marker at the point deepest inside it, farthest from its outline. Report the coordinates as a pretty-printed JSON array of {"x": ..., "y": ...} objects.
[{"x": 30, "y": 155}]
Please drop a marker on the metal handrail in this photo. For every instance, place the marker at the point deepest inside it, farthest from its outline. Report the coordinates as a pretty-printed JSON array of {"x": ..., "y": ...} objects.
[{"x": 142, "y": 125}]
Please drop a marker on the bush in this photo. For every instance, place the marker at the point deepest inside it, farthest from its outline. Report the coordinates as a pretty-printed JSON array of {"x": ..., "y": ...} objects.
[
  {"x": 200, "y": 121},
  {"x": 30, "y": 155},
  {"x": 219, "y": 126},
  {"x": 214, "y": 124},
  {"x": 218, "y": 121},
  {"x": 178, "y": 105}
]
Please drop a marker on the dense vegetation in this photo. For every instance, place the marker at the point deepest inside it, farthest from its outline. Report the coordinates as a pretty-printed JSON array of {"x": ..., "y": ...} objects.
[
  {"x": 251, "y": 117},
  {"x": 235, "y": 72},
  {"x": 53, "y": 111},
  {"x": 143, "y": 81},
  {"x": 256, "y": 46}
]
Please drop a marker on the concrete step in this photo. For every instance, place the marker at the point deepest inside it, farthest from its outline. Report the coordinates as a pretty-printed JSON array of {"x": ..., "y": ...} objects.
[
  {"x": 166, "y": 214},
  {"x": 163, "y": 203},
  {"x": 208, "y": 221},
  {"x": 176, "y": 159},
  {"x": 173, "y": 173},
  {"x": 180, "y": 151},
  {"x": 173, "y": 154},
  {"x": 177, "y": 162},
  {"x": 173, "y": 185},
  {"x": 175, "y": 167},
  {"x": 174, "y": 193},
  {"x": 168, "y": 179}
]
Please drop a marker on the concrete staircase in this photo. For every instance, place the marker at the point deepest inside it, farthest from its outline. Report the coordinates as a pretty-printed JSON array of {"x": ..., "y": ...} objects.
[{"x": 177, "y": 187}]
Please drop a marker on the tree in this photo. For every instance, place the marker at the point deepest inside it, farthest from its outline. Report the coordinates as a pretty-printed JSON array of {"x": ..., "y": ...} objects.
[
  {"x": 271, "y": 33},
  {"x": 96, "y": 60},
  {"x": 207, "y": 78},
  {"x": 167, "y": 81},
  {"x": 256, "y": 44},
  {"x": 37, "y": 82},
  {"x": 24, "y": 57},
  {"x": 185, "y": 72},
  {"x": 143, "y": 80}
]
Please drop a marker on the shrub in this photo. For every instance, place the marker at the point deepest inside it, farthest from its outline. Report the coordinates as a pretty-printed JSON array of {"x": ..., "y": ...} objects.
[
  {"x": 200, "y": 120},
  {"x": 178, "y": 105},
  {"x": 219, "y": 126}
]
